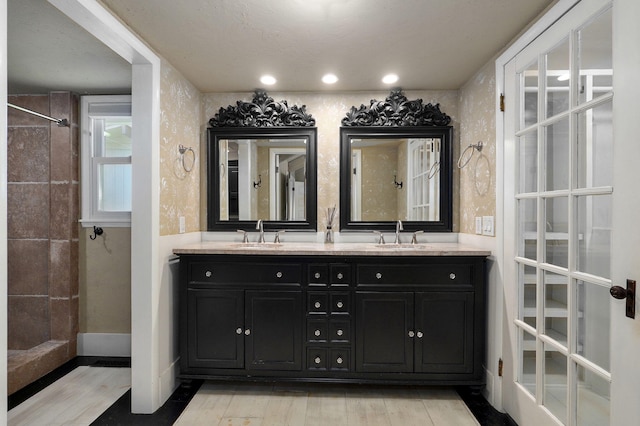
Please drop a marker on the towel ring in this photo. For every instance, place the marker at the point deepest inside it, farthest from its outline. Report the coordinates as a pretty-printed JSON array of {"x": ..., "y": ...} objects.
[
  {"x": 473, "y": 147},
  {"x": 183, "y": 150}
]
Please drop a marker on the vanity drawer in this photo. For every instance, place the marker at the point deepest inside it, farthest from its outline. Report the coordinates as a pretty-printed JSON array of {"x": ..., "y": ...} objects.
[
  {"x": 340, "y": 302},
  {"x": 318, "y": 274},
  {"x": 339, "y": 359},
  {"x": 340, "y": 275},
  {"x": 317, "y": 358},
  {"x": 255, "y": 273},
  {"x": 431, "y": 274},
  {"x": 317, "y": 302},
  {"x": 317, "y": 330},
  {"x": 339, "y": 331}
]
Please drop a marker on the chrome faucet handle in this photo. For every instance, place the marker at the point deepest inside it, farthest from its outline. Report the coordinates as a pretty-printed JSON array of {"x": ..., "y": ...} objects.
[
  {"x": 414, "y": 239},
  {"x": 260, "y": 227},
  {"x": 245, "y": 236},
  {"x": 277, "y": 238},
  {"x": 399, "y": 228},
  {"x": 381, "y": 235}
]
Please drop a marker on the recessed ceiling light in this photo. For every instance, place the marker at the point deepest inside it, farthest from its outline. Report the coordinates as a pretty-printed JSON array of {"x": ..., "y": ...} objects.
[
  {"x": 390, "y": 78},
  {"x": 329, "y": 79},
  {"x": 268, "y": 80}
]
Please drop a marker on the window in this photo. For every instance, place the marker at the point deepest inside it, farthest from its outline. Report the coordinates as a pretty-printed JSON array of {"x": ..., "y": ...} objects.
[{"x": 106, "y": 160}]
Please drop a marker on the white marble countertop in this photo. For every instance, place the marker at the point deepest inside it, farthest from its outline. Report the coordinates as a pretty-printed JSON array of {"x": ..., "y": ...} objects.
[{"x": 336, "y": 249}]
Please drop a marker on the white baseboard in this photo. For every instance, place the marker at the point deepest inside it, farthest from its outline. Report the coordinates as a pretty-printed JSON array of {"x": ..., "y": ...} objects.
[{"x": 104, "y": 344}]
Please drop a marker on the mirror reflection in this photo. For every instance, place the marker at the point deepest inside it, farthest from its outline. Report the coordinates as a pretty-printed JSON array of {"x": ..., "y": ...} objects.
[
  {"x": 395, "y": 179},
  {"x": 396, "y": 173},
  {"x": 262, "y": 179},
  {"x": 266, "y": 174}
]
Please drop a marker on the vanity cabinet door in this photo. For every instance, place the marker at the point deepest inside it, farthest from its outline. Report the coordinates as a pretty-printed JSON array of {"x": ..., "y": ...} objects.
[
  {"x": 444, "y": 332},
  {"x": 384, "y": 328},
  {"x": 215, "y": 328},
  {"x": 273, "y": 330}
]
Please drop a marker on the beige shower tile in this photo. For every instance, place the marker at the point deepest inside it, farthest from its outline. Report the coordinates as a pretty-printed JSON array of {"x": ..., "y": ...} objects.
[
  {"x": 28, "y": 154},
  {"x": 28, "y": 264},
  {"x": 28, "y": 210}
]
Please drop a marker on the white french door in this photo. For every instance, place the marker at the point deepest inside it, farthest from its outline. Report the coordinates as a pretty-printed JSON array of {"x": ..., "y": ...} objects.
[{"x": 564, "y": 189}]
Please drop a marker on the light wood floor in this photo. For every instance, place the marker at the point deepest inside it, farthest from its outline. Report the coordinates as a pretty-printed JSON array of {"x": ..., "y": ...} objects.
[
  {"x": 76, "y": 399},
  {"x": 250, "y": 404}
]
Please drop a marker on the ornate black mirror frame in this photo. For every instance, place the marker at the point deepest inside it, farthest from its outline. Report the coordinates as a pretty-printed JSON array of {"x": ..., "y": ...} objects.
[
  {"x": 397, "y": 117},
  {"x": 262, "y": 118}
]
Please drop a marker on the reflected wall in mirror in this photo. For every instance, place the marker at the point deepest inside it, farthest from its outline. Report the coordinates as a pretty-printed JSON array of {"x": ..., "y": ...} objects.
[
  {"x": 261, "y": 165},
  {"x": 392, "y": 170}
]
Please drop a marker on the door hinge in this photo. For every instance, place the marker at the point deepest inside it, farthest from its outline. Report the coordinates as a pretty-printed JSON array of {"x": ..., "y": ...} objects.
[
  {"x": 501, "y": 102},
  {"x": 500, "y": 363}
]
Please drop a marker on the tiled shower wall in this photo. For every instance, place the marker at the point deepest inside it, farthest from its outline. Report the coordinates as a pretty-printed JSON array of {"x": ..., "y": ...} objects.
[{"x": 43, "y": 205}]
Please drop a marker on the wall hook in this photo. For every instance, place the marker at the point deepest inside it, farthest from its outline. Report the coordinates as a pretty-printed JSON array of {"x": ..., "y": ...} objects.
[
  {"x": 258, "y": 184},
  {"x": 396, "y": 183},
  {"x": 96, "y": 231}
]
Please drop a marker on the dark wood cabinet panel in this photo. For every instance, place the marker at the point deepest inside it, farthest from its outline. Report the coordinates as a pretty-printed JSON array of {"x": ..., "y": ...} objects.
[
  {"x": 383, "y": 323},
  {"x": 418, "y": 319},
  {"x": 444, "y": 332},
  {"x": 215, "y": 327},
  {"x": 274, "y": 341}
]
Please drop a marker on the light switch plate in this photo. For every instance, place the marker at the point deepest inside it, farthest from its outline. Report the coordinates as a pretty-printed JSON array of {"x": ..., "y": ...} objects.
[
  {"x": 487, "y": 225},
  {"x": 183, "y": 225},
  {"x": 479, "y": 225}
]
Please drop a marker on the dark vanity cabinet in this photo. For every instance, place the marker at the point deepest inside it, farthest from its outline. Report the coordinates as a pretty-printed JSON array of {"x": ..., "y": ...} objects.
[{"x": 410, "y": 319}]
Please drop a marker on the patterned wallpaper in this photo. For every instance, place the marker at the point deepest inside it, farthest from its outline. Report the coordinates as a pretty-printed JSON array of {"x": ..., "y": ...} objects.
[
  {"x": 477, "y": 179},
  {"x": 328, "y": 109},
  {"x": 185, "y": 113},
  {"x": 180, "y": 124}
]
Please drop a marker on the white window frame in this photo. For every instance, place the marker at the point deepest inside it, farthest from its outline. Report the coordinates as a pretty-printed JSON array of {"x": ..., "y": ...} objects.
[{"x": 91, "y": 214}]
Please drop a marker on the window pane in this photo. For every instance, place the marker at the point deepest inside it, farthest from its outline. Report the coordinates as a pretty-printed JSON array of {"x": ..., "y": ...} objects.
[
  {"x": 528, "y": 146},
  {"x": 527, "y": 209},
  {"x": 557, "y": 155},
  {"x": 595, "y": 147},
  {"x": 530, "y": 95},
  {"x": 594, "y": 235},
  {"x": 594, "y": 316},
  {"x": 527, "y": 371},
  {"x": 114, "y": 187},
  {"x": 557, "y": 231},
  {"x": 594, "y": 399},
  {"x": 112, "y": 136},
  {"x": 558, "y": 79},
  {"x": 528, "y": 286},
  {"x": 595, "y": 58},
  {"x": 555, "y": 382},
  {"x": 555, "y": 307}
]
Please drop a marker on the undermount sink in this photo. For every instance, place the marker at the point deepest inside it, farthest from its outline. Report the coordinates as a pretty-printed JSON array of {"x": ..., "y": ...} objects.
[
  {"x": 392, "y": 246},
  {"x": 252, "y": 246}
]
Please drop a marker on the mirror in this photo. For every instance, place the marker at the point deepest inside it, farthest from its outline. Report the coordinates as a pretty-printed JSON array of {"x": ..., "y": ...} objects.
[
  {"x": 396, "y": 173},
  {"x": 262, "y": 173}
]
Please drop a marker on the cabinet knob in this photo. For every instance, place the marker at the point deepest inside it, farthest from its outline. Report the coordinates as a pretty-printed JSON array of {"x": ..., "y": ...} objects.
[
  {"x": 247, "y": 332},
  {"x": 378, "y": 275},
  {"x": 340, "y": 276},
  {"x": 317, "y": 275},
  {"x": 208, "y": 274},
  {"x": 279, "y": 274},
  {"x": 419, "y": 334},
  {"x": 317, "y": 333},
  {"x": 452, "y": 276},
  {"x": 317, "y": 360},
  {"x": 339, "y": 332},
  {"x": 339, "y": 360},
  {"x": 239, "y": 330},
  {"x": 411, "y": 334},
  {"x": 340, "y": 304},
  {"x": 317, "y": 305}
]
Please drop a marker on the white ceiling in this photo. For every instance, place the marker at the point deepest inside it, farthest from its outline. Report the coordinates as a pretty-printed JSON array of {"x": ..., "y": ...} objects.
[{"x": 225, "y": 45}]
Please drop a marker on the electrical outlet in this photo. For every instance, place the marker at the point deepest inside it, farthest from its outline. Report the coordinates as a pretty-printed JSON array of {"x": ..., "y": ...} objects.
[
  {"x": 479, "y": 225},
  {"x": 182, "y": 224},
  {"x": 487, "y": 225}
]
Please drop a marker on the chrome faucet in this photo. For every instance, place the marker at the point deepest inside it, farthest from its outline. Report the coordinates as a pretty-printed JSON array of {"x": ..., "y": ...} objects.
[
  {"x": 260, "y": 228},
  {"x": 414, "y": 239},
  {"x": 398, "y": 229}
]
